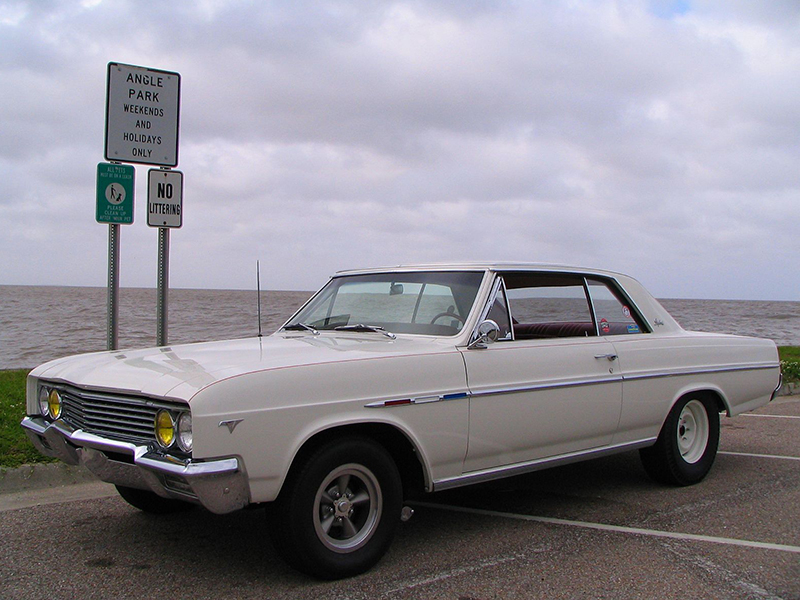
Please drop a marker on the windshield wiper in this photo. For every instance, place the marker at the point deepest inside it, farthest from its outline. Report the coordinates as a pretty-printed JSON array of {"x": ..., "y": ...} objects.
[
  {"x": 300, "y": 327},
  {"x": 365, "y": 328}
]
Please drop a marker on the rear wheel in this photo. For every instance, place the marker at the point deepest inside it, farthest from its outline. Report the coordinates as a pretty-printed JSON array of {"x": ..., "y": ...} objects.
[
  {"x": 687, "y": 444},
  {"x": 152, "y": 503},
  {"x": 338, "y": 511}
]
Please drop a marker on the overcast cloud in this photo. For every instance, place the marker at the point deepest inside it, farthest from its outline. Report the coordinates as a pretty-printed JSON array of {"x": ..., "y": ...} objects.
[{"x": 661, "y": 139}]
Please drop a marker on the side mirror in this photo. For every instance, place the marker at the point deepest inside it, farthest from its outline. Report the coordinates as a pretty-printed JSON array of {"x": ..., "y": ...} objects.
[
  {"x": 487, "y": 333},
  {"x": 396, "y": 289}
]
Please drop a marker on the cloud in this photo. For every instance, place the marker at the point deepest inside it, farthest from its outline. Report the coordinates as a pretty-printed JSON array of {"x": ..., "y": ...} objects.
[{"x": 658, "y": 138}]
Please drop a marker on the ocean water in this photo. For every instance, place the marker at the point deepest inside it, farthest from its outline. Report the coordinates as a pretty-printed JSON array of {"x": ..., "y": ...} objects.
[
  {"x": 41, "y": 323},
  {"x": 38, "y": 324}
]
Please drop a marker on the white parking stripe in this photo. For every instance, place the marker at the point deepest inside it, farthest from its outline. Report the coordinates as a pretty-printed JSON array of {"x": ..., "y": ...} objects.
[
  {"x": 775, "y": 456},
  {"x": 770, "y": 416},
  {"x": 615, "y": 528}
]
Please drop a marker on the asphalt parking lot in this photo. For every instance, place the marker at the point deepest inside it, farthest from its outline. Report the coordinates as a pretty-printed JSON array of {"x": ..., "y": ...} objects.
[{"x": 599, "y": 529}]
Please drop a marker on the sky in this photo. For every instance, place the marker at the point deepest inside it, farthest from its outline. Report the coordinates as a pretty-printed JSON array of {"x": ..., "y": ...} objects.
[{"x": 656, "y": 138}]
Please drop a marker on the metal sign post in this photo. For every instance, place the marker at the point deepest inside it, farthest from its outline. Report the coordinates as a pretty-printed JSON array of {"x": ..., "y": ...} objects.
[
  {"x": 162, "y": 304},
  {"x": 115, "y": 186},
  {"x": 165, "y": 211},
  {"x": 112, "y": 330}
]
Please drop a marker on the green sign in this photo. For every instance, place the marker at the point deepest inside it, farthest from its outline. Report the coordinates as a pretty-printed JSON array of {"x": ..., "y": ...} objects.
[{"x": 115, "y": 193}]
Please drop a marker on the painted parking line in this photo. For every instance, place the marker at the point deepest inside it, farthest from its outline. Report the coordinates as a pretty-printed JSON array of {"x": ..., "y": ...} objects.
[
  {"x": 751, "y": 455},
  {"x": 615, "y": 528},
  {"x": 770, "y": 416}
]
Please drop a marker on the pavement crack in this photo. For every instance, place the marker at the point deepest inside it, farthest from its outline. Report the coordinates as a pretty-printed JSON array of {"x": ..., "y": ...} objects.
[
  {"x": 720, "y": 573},
  {"x": 417, "y": 582}
]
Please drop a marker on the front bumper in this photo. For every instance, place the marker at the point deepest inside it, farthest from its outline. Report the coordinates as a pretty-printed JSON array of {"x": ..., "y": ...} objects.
[{"x": 219, "y": 485}]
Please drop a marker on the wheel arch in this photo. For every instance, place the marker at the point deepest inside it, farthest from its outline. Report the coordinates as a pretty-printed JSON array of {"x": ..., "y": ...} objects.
[
  {"x": 410, "y": 465},
  {"x": 710, "y": 391}
]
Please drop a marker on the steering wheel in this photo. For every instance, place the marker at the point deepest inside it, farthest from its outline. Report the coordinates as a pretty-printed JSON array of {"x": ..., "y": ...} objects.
[{"x": 447, "y": 314}]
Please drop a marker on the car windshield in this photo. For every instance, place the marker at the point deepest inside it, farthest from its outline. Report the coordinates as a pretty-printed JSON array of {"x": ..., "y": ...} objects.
[{"x": 426, "y": 303}]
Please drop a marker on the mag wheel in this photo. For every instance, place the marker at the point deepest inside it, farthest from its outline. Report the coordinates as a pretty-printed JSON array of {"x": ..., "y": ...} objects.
[
  {"x": 338, "y": 511},
  {"x": 347, "y": 508},
  {"x": 687, "y": 444}
]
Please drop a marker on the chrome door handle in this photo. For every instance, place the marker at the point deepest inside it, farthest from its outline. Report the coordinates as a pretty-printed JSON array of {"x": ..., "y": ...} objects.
[{"x": 610, "y": 357}]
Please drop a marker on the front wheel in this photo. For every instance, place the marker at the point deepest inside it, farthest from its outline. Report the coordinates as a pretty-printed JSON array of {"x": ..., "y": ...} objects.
[
  {"x": 338, "y": 511},
  {"x": 687, "y": 444}
]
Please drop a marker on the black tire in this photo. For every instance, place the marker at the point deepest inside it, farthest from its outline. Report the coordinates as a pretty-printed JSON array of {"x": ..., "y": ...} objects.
[
  {"x": 329, "y": 532},
  {"x": 152, "y": 503},
  {"x": 687, "y": 444}
]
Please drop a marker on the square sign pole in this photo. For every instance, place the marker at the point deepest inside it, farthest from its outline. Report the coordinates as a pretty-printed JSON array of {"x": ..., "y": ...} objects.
[
  {"x": 164, "y": 198},
  {"x": 165, "y": 211},
  {"x": 142, "y": 115},
  {"x": 115, "y": 207}
]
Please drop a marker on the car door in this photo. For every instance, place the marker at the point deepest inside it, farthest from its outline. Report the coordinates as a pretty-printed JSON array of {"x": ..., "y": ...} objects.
[{"x": 550, "y": 385}]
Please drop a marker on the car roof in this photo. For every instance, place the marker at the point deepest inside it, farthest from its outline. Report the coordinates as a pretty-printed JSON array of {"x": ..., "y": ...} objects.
[{"x": 483, "y": 266}]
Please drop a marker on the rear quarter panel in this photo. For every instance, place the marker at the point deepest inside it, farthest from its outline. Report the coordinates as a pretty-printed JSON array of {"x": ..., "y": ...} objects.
[{"x": 659, "y": 369}]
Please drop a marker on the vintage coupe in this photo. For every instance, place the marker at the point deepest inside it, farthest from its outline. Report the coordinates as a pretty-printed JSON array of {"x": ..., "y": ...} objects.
[{"x": 393, "y": 382}]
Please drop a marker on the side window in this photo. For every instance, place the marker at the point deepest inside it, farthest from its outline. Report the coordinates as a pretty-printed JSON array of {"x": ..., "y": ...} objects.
[
  {"x": 548, "y": 306},
  {"x": 614, "y": 315}
]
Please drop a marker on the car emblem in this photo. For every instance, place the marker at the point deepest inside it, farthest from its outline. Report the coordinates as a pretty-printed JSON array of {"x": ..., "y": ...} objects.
[{"x": 230, "y": 424}]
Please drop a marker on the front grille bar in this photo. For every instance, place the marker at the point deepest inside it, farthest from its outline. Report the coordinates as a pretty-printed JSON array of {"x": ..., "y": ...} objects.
[{"x": 114, "y": 416}]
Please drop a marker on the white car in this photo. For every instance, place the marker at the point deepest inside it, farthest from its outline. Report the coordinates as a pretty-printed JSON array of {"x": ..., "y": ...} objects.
[{"x": 394, "y": 382}]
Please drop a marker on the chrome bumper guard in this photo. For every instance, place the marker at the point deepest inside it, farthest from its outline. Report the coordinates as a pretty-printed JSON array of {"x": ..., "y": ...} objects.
[
  {"x": 218, "y": 485},
  {"x": 777, "y": 387}
]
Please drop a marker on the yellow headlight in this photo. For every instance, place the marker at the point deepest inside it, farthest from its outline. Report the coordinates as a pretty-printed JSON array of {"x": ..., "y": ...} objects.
[
  {"x": 54, "y": 404},
  {"x": 165, "y": 428}
]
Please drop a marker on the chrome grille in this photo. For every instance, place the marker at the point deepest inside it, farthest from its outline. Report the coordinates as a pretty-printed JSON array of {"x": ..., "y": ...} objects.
[{"x": 116, "y": 417}]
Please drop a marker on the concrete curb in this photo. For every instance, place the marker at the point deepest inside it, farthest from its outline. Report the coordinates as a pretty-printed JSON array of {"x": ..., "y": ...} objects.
[{"x": 39, "y": 476}]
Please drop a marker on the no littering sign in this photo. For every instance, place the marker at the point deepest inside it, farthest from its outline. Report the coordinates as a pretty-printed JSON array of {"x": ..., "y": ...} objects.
[
  {"x": 164, "y": 198},
  {"x": 142, "y": 115}
]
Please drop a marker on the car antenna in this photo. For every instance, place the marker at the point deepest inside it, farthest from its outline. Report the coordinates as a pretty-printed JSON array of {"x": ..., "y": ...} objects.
[{"x": 258, "y": 288}]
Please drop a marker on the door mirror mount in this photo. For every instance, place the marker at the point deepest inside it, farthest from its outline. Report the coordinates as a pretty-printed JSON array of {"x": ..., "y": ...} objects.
[{"x": 486, "y": 333}]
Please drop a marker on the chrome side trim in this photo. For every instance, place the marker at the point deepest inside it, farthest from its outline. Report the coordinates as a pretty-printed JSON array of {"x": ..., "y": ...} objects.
[
  {"x": 417, "y": 400},
  {"x": 546, "y": 386},
  {"x": 553, "y": 385},
  {"x": 680, "y": 372},
  {"x": 536, "y": 465}
]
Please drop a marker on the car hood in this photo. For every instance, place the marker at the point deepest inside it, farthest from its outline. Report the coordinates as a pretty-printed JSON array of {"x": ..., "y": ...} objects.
[{"x": 183, "y": 370}]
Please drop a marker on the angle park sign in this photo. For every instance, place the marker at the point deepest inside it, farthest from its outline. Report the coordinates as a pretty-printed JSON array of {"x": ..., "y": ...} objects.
[{"x": 142, "y": 115}]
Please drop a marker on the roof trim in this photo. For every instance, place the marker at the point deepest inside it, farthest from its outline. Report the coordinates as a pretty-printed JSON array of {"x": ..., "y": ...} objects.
[{"x": 482, "y": 266}]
